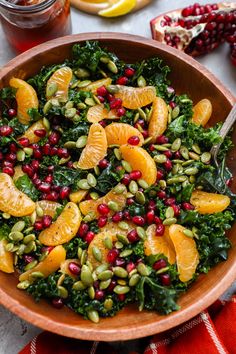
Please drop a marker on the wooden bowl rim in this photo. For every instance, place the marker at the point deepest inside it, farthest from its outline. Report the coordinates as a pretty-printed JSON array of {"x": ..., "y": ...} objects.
[{"x": 172, "y": 320}]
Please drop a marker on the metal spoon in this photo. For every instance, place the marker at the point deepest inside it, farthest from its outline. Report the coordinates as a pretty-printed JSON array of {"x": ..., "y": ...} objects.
[{"x": 228, "y": 123}]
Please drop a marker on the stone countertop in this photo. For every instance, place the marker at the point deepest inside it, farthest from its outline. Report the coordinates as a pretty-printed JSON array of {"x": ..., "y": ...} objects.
[{"x": 14, "y": 332}]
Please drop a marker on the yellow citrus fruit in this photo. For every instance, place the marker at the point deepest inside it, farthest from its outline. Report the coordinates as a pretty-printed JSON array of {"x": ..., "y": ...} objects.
[
  {"x": 90, "y": 206},
  {"x": 96, "y": 84},
  {"x": 98, "y": 112},
  {"x": 159, "y": 118},
  {"x": 95, "y": 149},
  {"x": 202, "y": 112},
  {"x": 78, "y": 196},
  {"x": 64, "y": 228},
  {"x": 13, "y": 201},
  {"x": 208, "y": 203},
  {"x": 18, "y": 173},
  {"x": 119, "y": 133},
  {"x": 61, "y": 78},
  {"x": 118, "y": 8},
  {"x": 49, "y": 207},
  {"x": 135, "y": 97},
  {"x": 65, "y": 267},
  {"x": 6, "y": 258},
  {"x": 29, "y": 133},
  {"x": 49, "y": 265},
  {"x": 139, "y": 159},
  {"x": 26, "y": 98},
  {"x": 159, "y": 244},
  {"x": 187, "y": 256}
]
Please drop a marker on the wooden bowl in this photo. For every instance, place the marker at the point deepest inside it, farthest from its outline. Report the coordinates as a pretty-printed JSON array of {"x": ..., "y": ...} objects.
[{"x": 187, "y": 76}]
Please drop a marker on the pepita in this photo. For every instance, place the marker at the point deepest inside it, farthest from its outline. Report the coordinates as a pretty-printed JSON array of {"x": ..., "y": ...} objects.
[
  {"x": 175, "y": 112},
  {"x": 142, "y": 114},
  {"x": 47, "y": 107},
  {"x": 81, "y": 105},
  {"x": 177, "y": 179},
  {"x": 91, "y": 292},
  {"x": 31, "y": 265},
  {"x": 30, "y": 247},
  {"x": 108, "y": 304},
  {"x": 184, "y": 152},
  {"x": 20, "y": 155},
  {"x": 69, "y": 104},
  {"x": 141, "y": 81},
  {"x": 160, "y": 158},
  {"x": 78, "y": 286},
  {"x": 206, "y": 157},
  {"x": 86, "y": 276},
  {"x": 143, "y": 184},
  {"x": 90, "y": 101},
  {"x": 101, "y": 268},
  {"x": 63, "y": 293},
  {"x": 123, "y": 225},
  {"x": 133, "y": 187},
  {"x": 70, "y": 112},
  {"x": 82, "y": 73},
  {"x": 169, "y": 221},
  {"x": 162, "y": 184},
  {"x": 119, "y": 245},
  {"x": 51, "y": 89},
  {"x": 120, "y": 290},
  {"x": 112, "y": 67},
  {"x": 160, "y": 148},
  {"x": 196, "y": 149},
  {"x": 16, "y": 236},
  {"x": 39, "y": 211},
  {"x": 93, "y": 316},
  {"x": 82, "y": 141},
  {"x": 176, "y": 144},
  {"x": 127, "y": 167},
  {"x": 188, "y": 233},
  {"x": 162, "y": 270},
  {"x": 194, "y": 156},
  {"x": 83, "y": 184},
  {"x": 70, "y": 145},
  {"x": 105, "y": 275},
  {"x": 191, "y": 171},
  {"x": 141, "y": 232},
  {"x": 126, "y": 253},
  {"x": 119, "y": 189},
  {"x": 169, "y": 212},
  {"x": 18, "y": 226},
  {"x": 36, "y": 275},
  {"x": 23, "y": 285},
  {"x": 84, "y": 83},
  {"x": 94, "y": 195},
  {"x": 134, "y": 280},
  {"x": 104, "y": 284},
  {"x": 140, "y": 197},
  {"x": 113, "y": 205},
  {"x": 142, "y": 269},
  {"x": 117, "y": 154},
  {"x": 97, "y": 254},
  {"x": 29, "y": 238},
  {"x": 120, "y": 272},
  {"x": 91, "y": 180},
  {"x": 112, "y": 89}
]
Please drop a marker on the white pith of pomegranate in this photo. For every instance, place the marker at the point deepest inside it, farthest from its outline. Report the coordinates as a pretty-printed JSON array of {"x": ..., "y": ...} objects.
[{"x": 198, "y": 29}]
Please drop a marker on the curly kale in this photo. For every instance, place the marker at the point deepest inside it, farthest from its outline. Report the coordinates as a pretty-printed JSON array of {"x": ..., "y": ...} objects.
[
  {"x": 25, "y": 185},
  {"x": 72, "y": 247}
]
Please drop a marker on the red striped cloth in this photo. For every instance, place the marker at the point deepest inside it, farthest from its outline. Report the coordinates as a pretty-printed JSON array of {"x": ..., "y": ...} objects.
[{"x": 211, "y": 332}]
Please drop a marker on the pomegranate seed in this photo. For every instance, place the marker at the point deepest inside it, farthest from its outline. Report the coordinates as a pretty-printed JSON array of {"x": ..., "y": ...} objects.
[
  {"x": 35, "y": 164},
  {"x": 126, "y": 179},
  {"x": 168, "y": 165},
  {"x": 46, "y": 220},
  {"x": 229, "y": 182},
  {"x": 13, "y": 147},
  {"x": 129, "y": 72},
  {"x": 54, "y": 138},
  {"x": 37, "y": 154},
  {"x": 161, "y": 263},
  {"x": 28, "y": 259},
  {"x": 127, "y": 215},
  {"x": 172, "y": 104},
  {"x": 38, "y": 225},
  {"x": 130, "y": 266},
  {"x": 160, "y": 175},
  {"x": 170, "y": 201},
  {"x": 120, "y": 262},
  {"x": 117, "y": 217},
  {"x": 110, "y": 97},
  {"x": 104, "y": 163},
  {"x": 57, "y": 303},
  {"x": 52, "y": 196},
  {"x": 187, "y": 206},
  {"x": 103, "y": 209},
  {"x": 102, "y": 91},
  {"x": 46, "y": 149},
  {"x": 47, "y": 249},
  {"x": 152, "y": 147},
  {"x": 74, "y": 268},
  {"x": 165, "y": 279},
  {"x": 119, "y": 168},
  {"x": 83, "y": 229},
  {"x": 168, "y": 154},
  {"x": 11, "y": 112},
  {"x": 130, "y": 201},
  {"x": 9, "y": 170},
  {"x": 102, "y": 220},
  {"x": 150, "y": 216},
  {"x": 160, "y": 229},
  {"x": 112, "y": 255},
  {"x": 157, "y": 220},
  {"x": 37, "y": 182},
  {"x": 99, "y": 295},
  {"x": 41, "y": 133},
  {"x": 63, "y": 152},
  {"x": 133, "y": 140},
  {"x": 7, "y": 164},
  {"x": 123, "y": 80},
  {"x": 121, "y": 111},
  {"x": 55, "y": 188},
  {"x": 28, "y": 170},
  {"x": 145, "y": 134},
  {"x": 44, "y": 187},
  {"x": 111, "y": 286},
  {"x": 116, "y": 103},
  {"x": 177, "y": 155},
  {"x": 176, "y": 209},
  {"x": 161, "y": 194},
  {"x": 48, "y": 179},
  {"x": 133, "y": 236},
  {"x": 135, "y": 175},
  {"x": 53, "y": 151},
  {"x": 1, "y": 156},
  {"x": 121, "y": 297},
  {"x": 101, "y": 99},
  {"x": 64, "y": 192},
  {"x": 162, "y": 139},
  {"x": 151, "y": 205},
  {"x": 10, "y": 157},
  {"x": 89, "y": 237},
  {"x": 5, "y": 130}
]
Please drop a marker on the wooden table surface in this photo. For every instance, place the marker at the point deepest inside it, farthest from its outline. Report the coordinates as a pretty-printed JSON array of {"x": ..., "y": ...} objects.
[{"x": 14, "y": 332}]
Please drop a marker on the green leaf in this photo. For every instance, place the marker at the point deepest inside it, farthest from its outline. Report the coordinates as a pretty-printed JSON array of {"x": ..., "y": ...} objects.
[
  {"x": 108, "y": 179},
  {"x": 25, "y": 185},
  {"x": 64, "y": 176}
]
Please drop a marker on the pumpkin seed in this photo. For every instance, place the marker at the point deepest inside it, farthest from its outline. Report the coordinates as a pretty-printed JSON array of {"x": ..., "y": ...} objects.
[
  {"x": 192, "y": 179},
  {"x": 123, "y": 225},
  {"x": 78, "y": 286},
  {"x": 191, "y": 171},
  {"x": 117, "y": 154},
  {"x": 126, "y": 253},
  {"x": 89, "y": 217},
  {"x": 89, "y": 264},
  {"x": 28, "y": 151},
  {"x": 196, "y": 149},
  {"x": 20, "y": 155},
  {"x": 105, "y": 275},
  {"x": 16, "y": 236},
  {"x": 29, "y": 229},
  {"x": 112, "y": 89},
  {"x": 120, "y": 272},
  {"x": 143, "y": 270},
  {"x": 21, "y": 249},
  {"x": 112, "y": 67},
  {"x": 194, "y": 156},
  {"x": 47, "y": 107},
  {"x": 51, "y": 89},
  {"x": 133, "y": 187},
  {"x": 91, "y": 292},
  {"x": 206, "y": 157},
  {"x": 127, "y": 167},
  {"x": 61, "y": 280},
  {"x": 30, "y": 265},
  {"x": 63, "y": 160},
  {"x": 184, "y": 152},
  {"x": 36, "y": 275},
  {"x": 141, "y": 232},
  {"x": 23, "y": 285},
  {"x": 84, "y": 83},
  {"x": 55, "y": 102},
  {"x": 113, "y": 205},
  {"x": 70, "y": 112},
  {"x": 162, "y": 184},
  {"x": 86, "y": 276},
  {"x": 120, "y": 290},
  {"x": 82, "y": 73},
  {"x": 101, "y": 268},
  {"x": 187, "y": 163},
  {"x": 141, "y": 81},
  {"x": 90, "y": 101},
  {"x": 169, "y": 221},
  {"x": 79, "y": 252},
  {"x": 104, "y": 60},
  {"x": 39, "y": 211},
  {"x": 29, "y": 238},
  {"x": 91, "y": 180},
  {"x": 185, "y": 183},
  {"x": 175, "y": 169},
  {"x": 143, "y": 184},
  {"x": 195, "y": 232},
  {"x": 147, "y": 140},
  {"x": 93, "y": 316},
  {"x": 188, "y": 233},
  {"x": 63, "y": 293},
  {"x": 136, "y": 117},
  {"x": 18, "y": 226},
  {"x": 176, "y": 144},
  {"x": 97, "y": 254},
  {"x": 175, "y": 112},
  {"x": 169, "y": 212},
  {"x": 69, "y": 104},
  {"x": 9, "y": 247},
  {"x": 123, "y": 239},
  {"x": 121, "y": 282},
  {"x": 177, "y": 161},
  {"x": 140, "y": 197},
  {"x": 119, "y": 245},
  {"x": 162, "y": 270},
  {"x": 81, "y": 105},
  {"x": 142, "y": 114},
  {"x": 119, "y": 189},
  {"x": 108, "y": 303},
  {"x": 70, "y": 145},
  {"x": 134, "y": 271},
  {"x": 134, "y": 280},
  {"x": 94, "y": 195},
  {"x": 96, "y": 170},
  {"x": 160, "y": 148},
  {"x": 160, "y": 158},
  {"x": 31, "y": 246},
  {"x": 83, "y": 184},
  {"x": 129, "y": 195},
  {"x": 104, "y": 284},
  {"x": 177, "y": 179}
]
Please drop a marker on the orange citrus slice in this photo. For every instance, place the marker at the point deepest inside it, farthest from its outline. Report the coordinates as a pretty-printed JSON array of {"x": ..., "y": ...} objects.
[
  {"x": 64, "y": 228},
  {"x": 61, "y": 79},
  {"x": 135, "y": 97},
  {"x": 187, "y": 256},
  {"x": 118, "y": 8},
  {"x": 119, "y": 133},
  {"x": 208, "y": 203},
  {"x": 139, "y": 159},
  {"x": 29, "y": 133},
  {"x": 159, "y": 118},
  {"x": 13, "y": 201},
  {"x": 76, "y": 197},
  {"x": 49, "y": 207},
  {"x": 97, "y": 113},
  {"x": 202, "y": 112},
  {"x": 18, "y": 173},
  {"x": 156, "y": 244},
  {"x": 95, "y": 149},
  {"x": 96, "y": 84},
  {"x": 26, "y": 98},
  {"x": 49, "y": 265},
  {"x": 65, "y": 267},
  {"x": 6, "y": 258},
  {"x": 90, "y": 206},
  {"x": 98, "y": 242}
]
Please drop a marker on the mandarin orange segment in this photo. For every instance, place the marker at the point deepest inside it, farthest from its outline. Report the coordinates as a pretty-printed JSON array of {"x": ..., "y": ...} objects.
[
  {"x": 49, "y": 265},
  {"x": 113, "y": 228},
  {"x": 64, "y": 267},
  {"x": 202, "y": 112},
  {"x": 119, "y": 133},
  {"x": 96, "y": 84},
  {"x": 98, "y": 112},
  {"x": 139, "y": 159},
  {"x": 60, "y": 79},
  {"x": 135, "y": 97},
  {"x": 187, "y": 256},
  {"x": 98, "y": 242},
  {"x": 209, "y": 203},
  {"x": 156, "y": 244},
  {"x": 18, "y": 173},
  {"x": 90, "y": 206},
  {"x": 78, "y": 196},
  {"x": 64, "y": 228},
  {"x": 6, "y": 258},
  {"x": 29, "y": 133},
  {"x": 159, "y": 118},
  {"x": 26, "y": 98},
  {"x": 49, "y": 207},
  {"x": 95, "y": 149},
  {"x": 13, "y": 201}
]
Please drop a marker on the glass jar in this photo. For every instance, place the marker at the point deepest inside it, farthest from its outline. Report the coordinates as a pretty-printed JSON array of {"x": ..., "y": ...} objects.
[{"x": 27, "y": 23}]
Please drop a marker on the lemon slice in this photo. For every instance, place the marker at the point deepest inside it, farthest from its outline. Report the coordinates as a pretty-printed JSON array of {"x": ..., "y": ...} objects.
[{"x": 120, "y": 7}]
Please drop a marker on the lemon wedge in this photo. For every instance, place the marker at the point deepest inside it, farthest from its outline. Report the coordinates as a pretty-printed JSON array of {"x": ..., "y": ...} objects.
[{"x": 120, "y": 7}]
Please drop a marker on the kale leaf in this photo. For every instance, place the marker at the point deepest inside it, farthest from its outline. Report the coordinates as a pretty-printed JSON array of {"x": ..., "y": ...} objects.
[
  {"x": 108, "y": 179},
  {"x": 64, "y": 176},
  {"x": 73, "y": 133},
  {"x": 72, "y": 247},
  {"x": 25, "y": 185}
]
